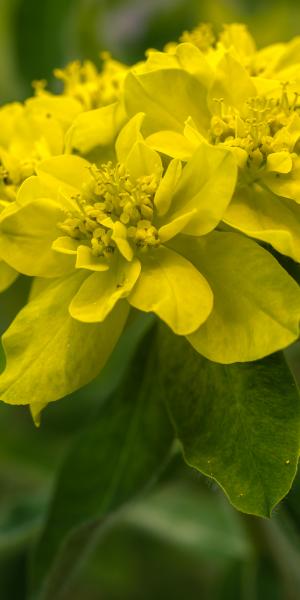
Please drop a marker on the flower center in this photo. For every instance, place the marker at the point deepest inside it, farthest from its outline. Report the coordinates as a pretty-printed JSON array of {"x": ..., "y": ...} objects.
[
  {"x": 90, "y": 87},
  {"x": 12, "y": 175},
  {"x": 114, "y": 206},
  {"x": 260, "y": 128}
]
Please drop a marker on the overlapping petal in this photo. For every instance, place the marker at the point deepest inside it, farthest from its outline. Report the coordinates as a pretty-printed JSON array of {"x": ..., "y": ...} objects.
[
  {"x": 206, "y": 187},
  {"x": 256, "y": 303},
  {"x": 45, "y": 344},
  {"x": 26, "y": 238},
  {"x": 172, "y": 288},
  {"x": 100, "y": 292},
  {"x": 264, "y": 216}
]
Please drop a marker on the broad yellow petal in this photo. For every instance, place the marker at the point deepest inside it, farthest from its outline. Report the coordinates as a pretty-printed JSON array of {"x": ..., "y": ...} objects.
[
  {"x": 206, "y": 187},
  {"x": 171, "y": 287},
  {"x": 256, "y": 303},
  {"x": 267, "y": 217},
  {"x": 26, "y": 238},
  {"x": 101, "y": 291}
]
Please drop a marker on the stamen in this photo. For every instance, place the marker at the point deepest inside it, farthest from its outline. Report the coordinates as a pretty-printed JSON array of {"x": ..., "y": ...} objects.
[
  {"x": 260, "y": 128},
  {"x": 114, "y": 197},
  {"x": 202, "y": 36}
]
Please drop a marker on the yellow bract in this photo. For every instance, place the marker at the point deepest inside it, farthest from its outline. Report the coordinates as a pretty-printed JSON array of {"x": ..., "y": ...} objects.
[
  {"x": 215, "y": 96},
  {"x": 135, "y": 187}
]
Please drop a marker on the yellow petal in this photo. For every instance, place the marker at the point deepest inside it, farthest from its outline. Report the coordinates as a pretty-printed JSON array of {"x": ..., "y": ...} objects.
[
  {"x": 173, "y": 289},
  {"x": 101, "y": 291}
]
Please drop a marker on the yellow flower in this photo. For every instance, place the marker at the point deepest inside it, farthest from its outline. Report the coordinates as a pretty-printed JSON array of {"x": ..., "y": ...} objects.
[
  {"x": 257, "y": 119},
  {"x": 29, "y": 133},
  {"x": 101, "y": 235},
  {"x": 36, "y": 130},
  {"x": 91, "y": 87}
]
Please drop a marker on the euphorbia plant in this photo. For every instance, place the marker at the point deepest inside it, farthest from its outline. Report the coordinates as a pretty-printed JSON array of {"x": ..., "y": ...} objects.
[{"x": 172, "y": 188}]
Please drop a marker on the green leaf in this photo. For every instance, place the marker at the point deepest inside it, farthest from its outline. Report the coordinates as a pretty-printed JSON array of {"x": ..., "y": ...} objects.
[
  {"x": 238, "y": 424},
  {"x": 110, "y": 463},
  {"x": 19, "y": 522},
  {"x": 194, "y": 519}
]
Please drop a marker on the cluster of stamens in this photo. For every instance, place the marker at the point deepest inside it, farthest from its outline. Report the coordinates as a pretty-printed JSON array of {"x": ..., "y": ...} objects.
[
  {"x": 113, "y": 197},
  {"x": 255, "y": 127},
  {"x": 10, "y": 180},
  {"x": 92, "y": 88},
  {"x": 202, "y": 36}
]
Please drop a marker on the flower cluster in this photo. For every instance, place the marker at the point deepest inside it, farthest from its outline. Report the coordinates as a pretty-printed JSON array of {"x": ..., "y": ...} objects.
[{"x": 170, "y": 187}]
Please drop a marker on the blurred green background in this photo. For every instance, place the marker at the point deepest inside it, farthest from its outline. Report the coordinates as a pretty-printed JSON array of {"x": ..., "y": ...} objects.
[
  {"x": 183, "y": 541},
  {"x": 36, "y": 36}
]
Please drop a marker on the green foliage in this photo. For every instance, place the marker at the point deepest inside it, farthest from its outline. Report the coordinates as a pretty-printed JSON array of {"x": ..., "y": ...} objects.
[
  {"x": 238, "y": 424},
  {"x": 110, "y": 463}
]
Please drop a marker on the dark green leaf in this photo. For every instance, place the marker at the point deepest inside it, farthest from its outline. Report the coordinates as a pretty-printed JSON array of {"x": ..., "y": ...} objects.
[
  {"x": 193, "y": 519},
  {"x": 238, "y": 424}
]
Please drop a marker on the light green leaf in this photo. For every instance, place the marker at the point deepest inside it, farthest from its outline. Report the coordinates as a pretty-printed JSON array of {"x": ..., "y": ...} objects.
[
  {"x": 49, "y": 354},
  {"x": 256, "y": 303},
  {"x": 238, "y": 424},
  {"x": 109, "y": 465}
]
